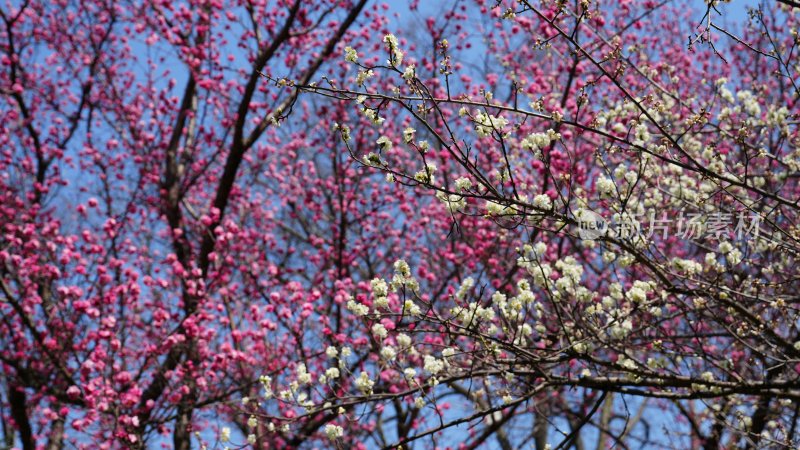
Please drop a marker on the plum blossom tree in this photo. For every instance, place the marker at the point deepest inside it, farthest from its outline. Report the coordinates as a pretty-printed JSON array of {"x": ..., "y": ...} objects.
[{"x": 291, "y": 224}]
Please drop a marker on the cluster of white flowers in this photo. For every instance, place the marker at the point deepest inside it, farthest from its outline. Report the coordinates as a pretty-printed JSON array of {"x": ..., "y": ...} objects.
[
  {"x": 619, "y": 330},
  {"x": 711, "y": 261},
  {"x": 473, "y": 312},
  {"x": 333, "y": 431},
  {"x": 540, "y": 273},
  {"x": 331, "y": 352},
  {"x": 485, "y": 124},
  {"x": 776, "y": 117},
  {"x": 463, "y": 183},
  {"x": 542, "y": 201},
  {"x": 380, "y": 290},
  {"x": 344, "y": 130},
  {"x": 571, "y": 272},
  {"x": 252, "y": 421},
  {"x": 426, "y": 174},
  {"x": 384, "y": 142},
  {"x": 408, "y": 73},
  {"x": 626, "y": 363},
  {"x": 331, "y": 373},
  {"x": 411, "y": 308},
  {"x": 750, "y": 102},
  {"x": 350, "y": 55},
  {"x": 379, "y": 331},
  {"x": 581, "y": 347},
  {"x": 454, "y": 202},
  {"x": 266, "y": 383},
  {"x": 408, "y": 135},
  {"x": 510, "y": 308},
  {"x": 395, "y": 54},
  {"x": 641, "y": 135},
  {"x": 402, "y": 276},
  {"x": 708, "y": 377},
  {"x": 303, "y": 377},
  {"x": 724, "y": 92},
  {"x": 388, "y": 353},
  {"x": 433, "y": 365},
  {"x": 496, "y": 209},
  {"x": 373, "y": 116},
  {"x": 509, "y": 14},
  {"x": 537, "y": 141},
  {"x": 530, "y": 260},
  {"x": 364, "y": 383},
  {"x": 373, "y": 159},
  {"x": 618, "y": 320},
  {"x": 357, "y": 308},
  {"x": 363, "y": 76},
  {"x": 403, "y": 340},
  {"x": 638, "y": 292},
  {"x": 732, "y": 255},
  {"x": 687, "y": 266},
  {"x": 466, "y": 285},
  {"x": 745, "y": 422},
  {"x": 604, "y": 186}
]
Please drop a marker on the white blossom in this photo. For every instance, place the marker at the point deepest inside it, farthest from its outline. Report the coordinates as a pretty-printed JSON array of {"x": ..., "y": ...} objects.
[
  {"x": 388, "y": 353},
  {"x": 403, "y": 340},
  {"x": 497, "y": 209},
  {"x": 605, "y": 186},
  {"x": 424, "y": 146},
  {"x": 396, "y": 55},
  {"x": 357, "y": 308},
  {"x": 363, "y": 76},
  {"x": 408, "y": 135},
  {"x": 411, "y": 307},
  {"x": 333, "y": 431},
  {"x": 331, "y": 352},
  {"x": 426, "y": 174},
  {"x": 537, "y": 141},
  {"x": 350, "y": 55},
  {"x": 364, "y": 383},
  {"x": 542, "y": 201},
  {"x": 303, "y": 377},
  {"x": 379, "y": 331},
  {"x": 433, "y": 365},
  {"x": 485, "y": 124},
  {"x": 384, "y": 142},
  {"x": 463, "y": 183},
  {"x": 379, "y": 287},
  {"x": 408, "y": 73}
]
